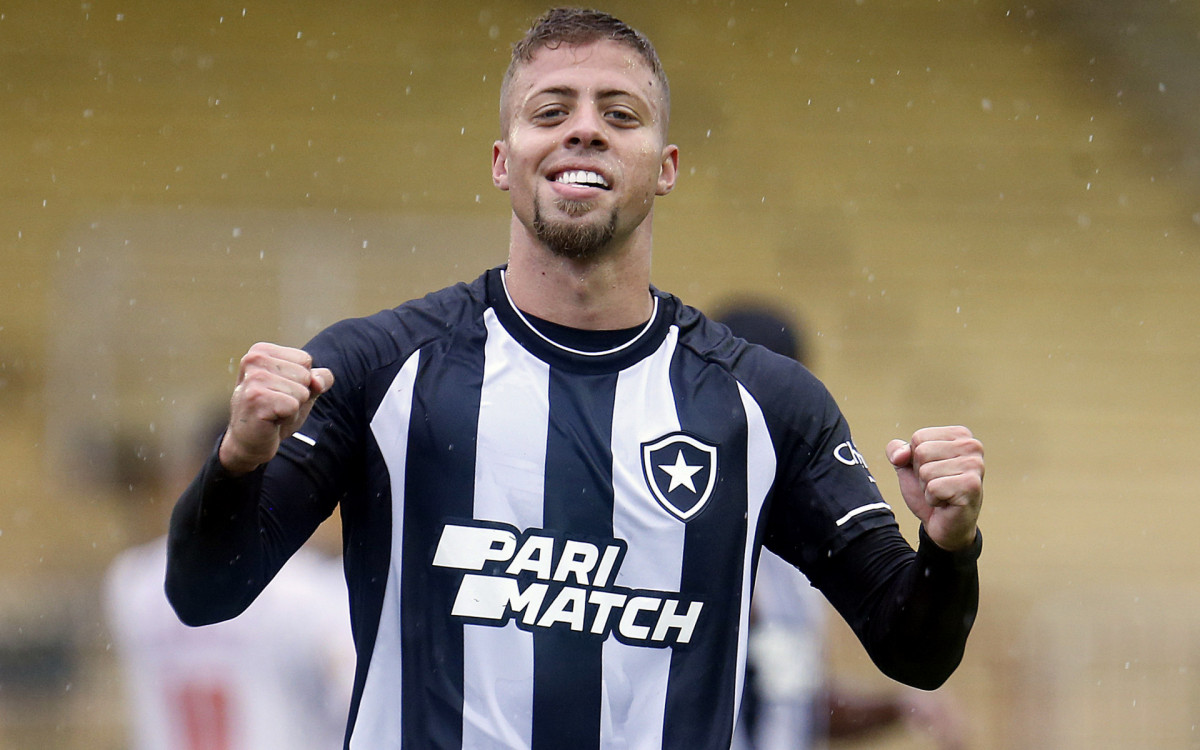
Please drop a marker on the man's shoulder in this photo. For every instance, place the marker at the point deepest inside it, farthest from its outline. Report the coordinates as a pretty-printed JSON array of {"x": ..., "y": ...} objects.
[
  {"x": 781, "y": 385},
  {"x": 714, "y": 341},
  {"x": 376, "y": 340},
  {"x": 434, "y": 313}
]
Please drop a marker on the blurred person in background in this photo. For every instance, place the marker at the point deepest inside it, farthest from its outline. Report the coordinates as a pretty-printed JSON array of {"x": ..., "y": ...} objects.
[
  {"x": 277, "y": 678},
  {"x": 791, "y": 702}
]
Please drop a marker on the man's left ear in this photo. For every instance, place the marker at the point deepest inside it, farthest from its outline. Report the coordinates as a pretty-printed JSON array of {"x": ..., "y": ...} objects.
[
  {"x": 500, "y": 165},
  {"x": 668, "y": 171}
]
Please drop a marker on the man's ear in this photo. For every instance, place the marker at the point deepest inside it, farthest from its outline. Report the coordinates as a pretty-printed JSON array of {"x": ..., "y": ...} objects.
[
  {"x": 668, "y": 171},
  {"x": 500, "y": 165}
]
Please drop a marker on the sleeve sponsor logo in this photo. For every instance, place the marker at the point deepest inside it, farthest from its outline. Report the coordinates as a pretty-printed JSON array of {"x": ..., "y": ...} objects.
[
  {"x": 681, "y": 472},
  {"x": 848, "y": 454},
  {"x": 540, "y": 580}
]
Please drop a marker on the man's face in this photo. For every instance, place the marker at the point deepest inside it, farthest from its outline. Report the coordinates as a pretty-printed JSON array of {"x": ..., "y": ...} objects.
[{"x": 584, "y": 153}]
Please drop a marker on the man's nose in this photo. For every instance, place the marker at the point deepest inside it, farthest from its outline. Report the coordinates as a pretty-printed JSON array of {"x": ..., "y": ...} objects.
[{"x": 586, "y": 129}]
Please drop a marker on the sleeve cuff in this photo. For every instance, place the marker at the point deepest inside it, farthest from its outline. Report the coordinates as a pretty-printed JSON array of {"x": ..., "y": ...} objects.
[
  {"x": 215, "y": 471},
  {"x": 929, "y": 550}
]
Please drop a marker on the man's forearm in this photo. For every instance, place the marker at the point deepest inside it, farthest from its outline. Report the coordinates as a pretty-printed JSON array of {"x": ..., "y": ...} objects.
[
  {"x": 215, "y": 562},
  {"x": 913, "y": 613}
]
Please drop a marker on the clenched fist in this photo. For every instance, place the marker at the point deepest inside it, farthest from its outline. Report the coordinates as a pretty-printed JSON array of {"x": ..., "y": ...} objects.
[
  {"x": 276, "y": 389},
  {"x": 941, "y": 479}
]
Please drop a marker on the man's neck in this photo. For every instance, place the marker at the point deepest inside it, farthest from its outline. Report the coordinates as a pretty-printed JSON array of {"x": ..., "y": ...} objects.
[{"x": 605, "y": 293}]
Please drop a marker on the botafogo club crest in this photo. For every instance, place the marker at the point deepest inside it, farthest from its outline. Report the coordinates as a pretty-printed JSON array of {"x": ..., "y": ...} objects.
[{"x": 681, "y": 471}]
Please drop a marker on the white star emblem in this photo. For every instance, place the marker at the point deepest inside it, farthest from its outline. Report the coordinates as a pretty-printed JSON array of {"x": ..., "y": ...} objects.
[{"x": 681, "y": 473}]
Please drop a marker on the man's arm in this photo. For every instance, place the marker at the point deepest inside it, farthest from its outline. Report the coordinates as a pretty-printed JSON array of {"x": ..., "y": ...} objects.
[
  {"x": 228, "y": 536},
  {"x": 215, "y": 563},
  {"x": 918, "y": 611},
  {"x": 911, "y": 611}
]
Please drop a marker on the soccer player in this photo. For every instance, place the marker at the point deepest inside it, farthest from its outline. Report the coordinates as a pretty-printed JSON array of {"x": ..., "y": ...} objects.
[{"x": 554, "y": 481}]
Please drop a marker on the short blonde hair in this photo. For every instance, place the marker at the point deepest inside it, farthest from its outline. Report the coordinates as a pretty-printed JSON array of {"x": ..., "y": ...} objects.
[{"x": 578, "y": 26}]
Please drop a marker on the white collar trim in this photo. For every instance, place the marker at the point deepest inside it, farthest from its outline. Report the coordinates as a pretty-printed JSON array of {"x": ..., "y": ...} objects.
[{"x": 552, "y": 342}]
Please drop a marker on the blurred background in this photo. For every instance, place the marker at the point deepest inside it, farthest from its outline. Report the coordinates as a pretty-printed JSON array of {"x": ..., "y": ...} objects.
[{"x": 983, "y": 212}]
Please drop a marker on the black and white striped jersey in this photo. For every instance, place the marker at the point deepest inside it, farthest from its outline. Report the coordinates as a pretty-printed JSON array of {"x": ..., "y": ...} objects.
[{"x": 553, "y": 547}]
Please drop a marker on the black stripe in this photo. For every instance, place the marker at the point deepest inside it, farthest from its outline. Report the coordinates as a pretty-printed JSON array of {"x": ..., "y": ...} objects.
[
  {"x": 710, "y": 408},
  {"x": 439, "y": 488},
  {"x": 579, "y": 498}
]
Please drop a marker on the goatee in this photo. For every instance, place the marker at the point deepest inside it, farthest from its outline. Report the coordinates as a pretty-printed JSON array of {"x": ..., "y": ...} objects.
[{"x": 570, "y": 240}]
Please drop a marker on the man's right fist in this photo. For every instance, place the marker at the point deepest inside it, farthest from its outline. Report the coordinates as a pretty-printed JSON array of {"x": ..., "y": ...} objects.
[{"x": 276, "y": 389}]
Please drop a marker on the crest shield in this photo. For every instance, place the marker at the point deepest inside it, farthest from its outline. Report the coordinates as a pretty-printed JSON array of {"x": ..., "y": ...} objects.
[{"x": 680, "y": 471}]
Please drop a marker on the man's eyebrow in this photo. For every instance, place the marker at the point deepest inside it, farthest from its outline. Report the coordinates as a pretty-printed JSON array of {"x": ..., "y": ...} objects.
[
  {"x": 556, "y": 91},
  {"x": 569, "y": 91},
  {"x": 618, "y": 94}
]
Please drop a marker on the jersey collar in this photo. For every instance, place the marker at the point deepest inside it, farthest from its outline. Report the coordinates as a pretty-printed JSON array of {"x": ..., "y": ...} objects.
[{"x": 543, "y": 346}]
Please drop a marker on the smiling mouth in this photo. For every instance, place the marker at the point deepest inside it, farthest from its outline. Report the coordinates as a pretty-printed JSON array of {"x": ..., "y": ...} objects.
[{"x": 581, "y": 177}]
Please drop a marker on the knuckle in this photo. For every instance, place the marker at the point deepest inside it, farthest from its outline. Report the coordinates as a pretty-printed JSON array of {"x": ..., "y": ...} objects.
[
  {"x": 255, "y": 357},
  {"x": 256, "y": 378},
  {"x": 922, "y": 454}
]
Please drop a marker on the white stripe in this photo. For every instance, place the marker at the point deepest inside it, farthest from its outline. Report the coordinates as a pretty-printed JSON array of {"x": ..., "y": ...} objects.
[
  {"x": 379, "y": 722},
  {"x": 552, "y": 342},
  {"x": 510, "y": 470},
  {"x": 864, "y": 509},
  {"x": 635, "y": 678},
  {"x": 760, "y": 475},
  {"x": 304, "y": 438}
]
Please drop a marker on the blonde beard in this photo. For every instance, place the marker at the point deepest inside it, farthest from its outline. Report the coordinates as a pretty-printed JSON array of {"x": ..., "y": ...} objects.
[{"x": 575, "y": 241}]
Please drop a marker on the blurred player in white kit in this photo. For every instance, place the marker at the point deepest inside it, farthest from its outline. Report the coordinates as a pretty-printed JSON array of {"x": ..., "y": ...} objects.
[{"x": 278, "y": 677}]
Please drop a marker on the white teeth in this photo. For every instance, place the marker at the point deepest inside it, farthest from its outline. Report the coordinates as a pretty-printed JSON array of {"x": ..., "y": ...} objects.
[{"x": 581, "y": 177}]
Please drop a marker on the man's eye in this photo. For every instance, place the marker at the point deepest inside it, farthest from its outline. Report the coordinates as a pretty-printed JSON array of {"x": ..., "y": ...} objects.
[
  {"x": 621, "y": 116},
  {"x": 550, "y": 113}
]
